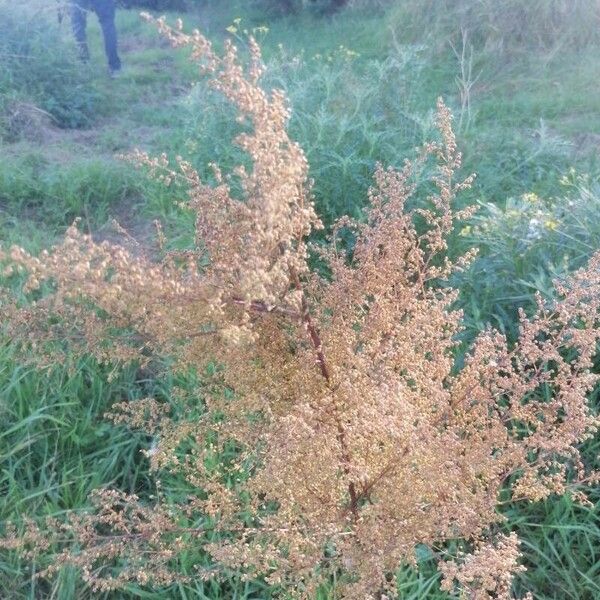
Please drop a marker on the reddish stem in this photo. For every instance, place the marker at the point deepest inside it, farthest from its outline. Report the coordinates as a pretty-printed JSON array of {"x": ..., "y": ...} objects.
[{"x": 326, "y": 373}]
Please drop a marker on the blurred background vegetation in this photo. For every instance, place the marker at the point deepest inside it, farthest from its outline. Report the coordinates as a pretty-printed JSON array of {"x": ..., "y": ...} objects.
[{"x": 523, "y": 80}]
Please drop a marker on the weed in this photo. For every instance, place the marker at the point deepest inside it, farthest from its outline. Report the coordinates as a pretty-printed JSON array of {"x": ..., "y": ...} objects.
[{"x": 524, "y": 245}]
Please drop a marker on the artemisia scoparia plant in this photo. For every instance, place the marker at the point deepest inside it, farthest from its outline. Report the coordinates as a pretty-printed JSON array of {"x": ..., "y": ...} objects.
[{"x": 350, "y": 435}]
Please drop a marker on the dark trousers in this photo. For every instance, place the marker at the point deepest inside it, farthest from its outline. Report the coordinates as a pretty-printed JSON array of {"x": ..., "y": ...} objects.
[{"x": 105, "y": 11}]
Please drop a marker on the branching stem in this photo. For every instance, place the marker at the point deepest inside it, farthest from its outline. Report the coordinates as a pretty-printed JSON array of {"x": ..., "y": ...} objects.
[{"x": 326, "y": 373}]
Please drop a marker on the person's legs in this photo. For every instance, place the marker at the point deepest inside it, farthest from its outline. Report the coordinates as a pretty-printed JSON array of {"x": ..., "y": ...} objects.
[
  {"x": 105, "y": 9},
  {"x": 78, "y": 13}
]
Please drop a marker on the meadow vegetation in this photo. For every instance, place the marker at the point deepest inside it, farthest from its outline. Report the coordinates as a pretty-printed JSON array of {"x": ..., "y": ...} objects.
[{"x": 522, "y": 81}]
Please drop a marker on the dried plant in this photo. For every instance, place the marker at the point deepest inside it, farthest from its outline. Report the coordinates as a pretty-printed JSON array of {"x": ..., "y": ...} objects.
[{"x": 337, "y": 434}]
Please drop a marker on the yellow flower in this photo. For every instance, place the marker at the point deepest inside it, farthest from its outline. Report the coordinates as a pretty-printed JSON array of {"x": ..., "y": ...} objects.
[
  {"x": 551, "y": 224},
  {"x": 530, "y": 197}
]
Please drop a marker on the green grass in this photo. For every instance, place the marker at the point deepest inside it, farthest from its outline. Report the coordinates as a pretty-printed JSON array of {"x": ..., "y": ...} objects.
[
  {"x": 55, "y": 193},
  {"x": 362, "y": 87},
  {"x": 56, "y": 449}
]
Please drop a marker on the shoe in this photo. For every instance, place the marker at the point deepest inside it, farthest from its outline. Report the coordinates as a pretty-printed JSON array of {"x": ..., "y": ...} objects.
[{"x": 115, "y": 73}]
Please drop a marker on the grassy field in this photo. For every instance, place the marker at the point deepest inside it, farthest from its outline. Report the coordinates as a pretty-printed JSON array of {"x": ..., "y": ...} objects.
[{"x": 362, "y": 85}]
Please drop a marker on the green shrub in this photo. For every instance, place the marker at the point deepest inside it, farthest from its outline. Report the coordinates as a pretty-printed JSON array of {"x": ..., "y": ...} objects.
[
  {"x": 348, "y": 114},
  {"x": 524, "y": 245}
]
